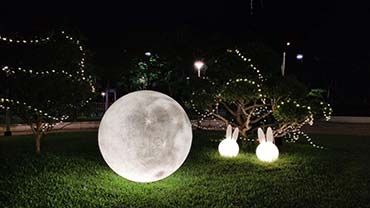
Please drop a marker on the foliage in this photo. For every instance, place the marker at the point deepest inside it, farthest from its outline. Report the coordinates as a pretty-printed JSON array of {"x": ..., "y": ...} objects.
[
  {"x": 237, "y": 92},
  {"x": 148, "y": 72},
  {"x": 47, "y": 83},
  {"x": 72, "y": 173},
  {"x": 154, "y": 72}
]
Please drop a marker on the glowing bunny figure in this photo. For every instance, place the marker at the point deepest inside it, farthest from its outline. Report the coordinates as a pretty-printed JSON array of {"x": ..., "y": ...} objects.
[
  {"x": 228, "y": 147},
  {"x": 266, "y": 151}
]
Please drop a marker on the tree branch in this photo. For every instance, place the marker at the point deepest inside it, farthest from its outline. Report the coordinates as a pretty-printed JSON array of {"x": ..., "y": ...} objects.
[
  {"x": 254, "y": 106},
  {"x": 221, "y": 118},
  {"x": 261, "y": 117},
  {"x": 229, "y": 109}
]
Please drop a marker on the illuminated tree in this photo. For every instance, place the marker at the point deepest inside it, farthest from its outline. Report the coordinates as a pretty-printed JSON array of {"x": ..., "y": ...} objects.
[
  {"x": 236, "y": 92},
  {"x": 49, "y": 84}
]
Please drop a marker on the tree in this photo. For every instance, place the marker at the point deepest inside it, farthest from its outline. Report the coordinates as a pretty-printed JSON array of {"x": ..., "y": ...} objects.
[
  {"x": 49, "y": 84},
  {"x": 151, "y": 71},
  {"x": 236, "y": 92},
  {"x": 148, "y": 72}
]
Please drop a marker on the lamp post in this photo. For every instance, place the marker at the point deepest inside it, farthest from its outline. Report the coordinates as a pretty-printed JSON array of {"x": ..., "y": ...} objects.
[
  {"x": 198, "y": 66},
  {"x": 8, "y": 117},
  {"x": 283, "y": 64},
  {"x": 106, "y": 96},
  {"x": 103, "y": 96},
  {"x": 7, "y": 122},
  {"x": 284, "y": 60}
]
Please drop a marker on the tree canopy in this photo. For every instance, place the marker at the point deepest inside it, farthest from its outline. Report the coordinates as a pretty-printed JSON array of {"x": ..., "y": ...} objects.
[
  {"x": 46, "y": 80},
  {"x": 239, "y": 92}
]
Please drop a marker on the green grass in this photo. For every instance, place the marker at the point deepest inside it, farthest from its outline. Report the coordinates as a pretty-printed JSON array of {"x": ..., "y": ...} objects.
[{"x": 71, "y": 173}]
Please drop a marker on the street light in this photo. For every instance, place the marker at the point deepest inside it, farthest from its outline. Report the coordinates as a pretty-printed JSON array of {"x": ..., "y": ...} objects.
[
  {"x": 8, "y": 116},
  {"x": 283, "y": 64},
  {"x": 106, "y": 95},
  {"x": 198, "y": 65},
  {"x": 299, "y": 57},
  {"x": 284, "y": 58}
]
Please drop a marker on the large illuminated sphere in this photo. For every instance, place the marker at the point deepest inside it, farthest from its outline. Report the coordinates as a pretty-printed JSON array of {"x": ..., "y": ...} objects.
[
  {"x": 228, "y": 148},
  {"x": 267, "y": 152},
  {"x": 145, "y": 136}
]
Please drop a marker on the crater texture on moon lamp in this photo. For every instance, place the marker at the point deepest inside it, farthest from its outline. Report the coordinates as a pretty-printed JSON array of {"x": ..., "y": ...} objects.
[{"x": 145, "y": 136}]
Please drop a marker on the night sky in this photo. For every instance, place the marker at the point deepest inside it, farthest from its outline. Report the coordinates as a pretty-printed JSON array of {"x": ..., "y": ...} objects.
[{"x": 332, "y": 35}]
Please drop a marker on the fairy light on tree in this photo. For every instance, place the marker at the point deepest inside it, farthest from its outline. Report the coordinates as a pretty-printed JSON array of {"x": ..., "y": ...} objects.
[
  {"x": 245, "y": 99},
  {"x": 51, "y": 85}
]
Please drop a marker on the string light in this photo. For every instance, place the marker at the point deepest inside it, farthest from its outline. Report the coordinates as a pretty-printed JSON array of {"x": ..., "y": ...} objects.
[
  {"x": 258, "y": 84},
  {"x": 26, "y": 106},
  {"x": 295, "y": 136},
  {"x": 248, "y": 60},
  {"x": 81, "y": 64},
  {"x": 24, "y": 41},
  {"x": 47, "y": 39},
  {"x": 294, "y": 127},
  {"x": 10, "y": 71},
  {"x": 260, "y": 76},
  {"x": 80, "y": 76}
]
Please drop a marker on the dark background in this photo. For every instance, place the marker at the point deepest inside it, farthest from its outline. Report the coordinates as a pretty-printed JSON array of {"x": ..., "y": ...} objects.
[{"x": 332, "y": 35}]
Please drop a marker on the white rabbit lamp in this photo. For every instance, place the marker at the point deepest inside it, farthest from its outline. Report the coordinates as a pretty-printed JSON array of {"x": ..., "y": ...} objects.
[
  {"x": 266, "y": 151},
  {"x": 228, "y": 147}
]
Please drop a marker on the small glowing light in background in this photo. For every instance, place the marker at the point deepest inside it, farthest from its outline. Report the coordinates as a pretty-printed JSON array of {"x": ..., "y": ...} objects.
[
  {"x": 288, "y": 43},
  {"x": 148, "y": 53},
  {"x": 228, "y": 147},
  {"x": 266, "y": 151},
  {"x": 102, "y": 94},
  {"x": 299, "y": 56},
  {"x": 198, "y": 65}
]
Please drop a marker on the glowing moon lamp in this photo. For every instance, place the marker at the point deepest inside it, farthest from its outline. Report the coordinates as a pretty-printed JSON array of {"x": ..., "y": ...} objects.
[
  {"x": 228, "y": 147},
  {"x": 145, "y": 136},
  {"x": 266, "y": 151}
]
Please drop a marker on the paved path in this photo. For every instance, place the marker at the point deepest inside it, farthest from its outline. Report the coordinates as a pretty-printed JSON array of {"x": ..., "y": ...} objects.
[
  {"x": 22, "y": 129},
  {"x": 360, "y": 129},
  {"x": 319, "y": 127}
]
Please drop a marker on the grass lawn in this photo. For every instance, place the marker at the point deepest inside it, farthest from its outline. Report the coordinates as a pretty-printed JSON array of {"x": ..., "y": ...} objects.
[{"x": 71, "y": 173}]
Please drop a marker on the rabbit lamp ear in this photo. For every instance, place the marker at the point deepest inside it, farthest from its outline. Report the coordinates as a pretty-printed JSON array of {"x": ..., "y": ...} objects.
[
  {"x": 269, "y": 135},
  {"x": 228, "y": 132},
  {"x": 235, "y": 134},
  {"x": 261, "y": 136}
]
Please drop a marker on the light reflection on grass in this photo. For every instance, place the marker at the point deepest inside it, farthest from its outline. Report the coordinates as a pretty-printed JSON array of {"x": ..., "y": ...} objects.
[{"x": 71, "y": 173}]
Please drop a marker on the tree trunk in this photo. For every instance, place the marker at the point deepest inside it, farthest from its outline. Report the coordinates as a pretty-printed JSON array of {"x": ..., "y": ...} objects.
[
  {"x": 7, "y": 123},
  {"x": 38, "y": 142},
  {"x": 38, "y": 133}
]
